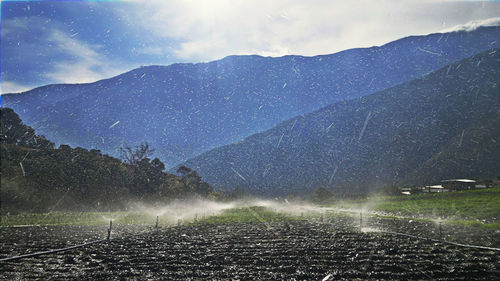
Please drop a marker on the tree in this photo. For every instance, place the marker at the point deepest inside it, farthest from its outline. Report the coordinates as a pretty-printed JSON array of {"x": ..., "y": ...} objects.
[
  {"x": 133, "y": 156},
  {"x": 14, "y": 131},
  {"x": 157, "y": 164},
  {"x": 192, "y": 180},
  {"x": 322, "y": 195},
  {"x": 184, "y": 171}
]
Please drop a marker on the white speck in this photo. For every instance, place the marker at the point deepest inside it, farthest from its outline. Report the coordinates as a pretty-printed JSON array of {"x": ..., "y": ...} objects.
[
  {"x": 114, "y": 124},
  {"x": 236, "y": 172},
  {"x": 371, "y": 82},
  {"x": 364, "y": 125},
  {"x": 430, "y": 52},
  {"x": 461, "y": 139},
  {"x": 284, "y": 85},
  {"x": 333, "y": 174},
  {"x": 280, "y": 140},
  {"x": 328, "y": 128},
  {"x": 22, "y": 168},
  {"x": 293, "y": 126},
  {"x": 266, "y": 171}
]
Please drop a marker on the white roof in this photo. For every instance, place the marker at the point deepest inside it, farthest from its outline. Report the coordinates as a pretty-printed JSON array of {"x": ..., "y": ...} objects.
[
  {"x": 436, "y": 186},
  {"x": 459, "y": 180}
]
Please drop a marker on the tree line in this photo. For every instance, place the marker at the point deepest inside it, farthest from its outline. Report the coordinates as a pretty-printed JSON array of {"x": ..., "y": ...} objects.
[{"x": 38, "y": 177}]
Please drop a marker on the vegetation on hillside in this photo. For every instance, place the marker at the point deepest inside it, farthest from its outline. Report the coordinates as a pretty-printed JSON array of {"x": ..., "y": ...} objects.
[{"x": 37, "y": 177}]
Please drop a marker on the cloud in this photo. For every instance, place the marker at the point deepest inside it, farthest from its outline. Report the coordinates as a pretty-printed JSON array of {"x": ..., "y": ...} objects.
[
  {"x": 39, "y": 50},
  {"x": 84, "y": 62},
  {"x": 207, "y": 30},
  {"x": 473, "y": 25},
  {"x": 12, "y": 87}
]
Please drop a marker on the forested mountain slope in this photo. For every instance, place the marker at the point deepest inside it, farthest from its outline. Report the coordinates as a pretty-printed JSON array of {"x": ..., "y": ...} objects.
[
  {"x": 443, "y": 125},
  {"x": 183, "y": 110}
]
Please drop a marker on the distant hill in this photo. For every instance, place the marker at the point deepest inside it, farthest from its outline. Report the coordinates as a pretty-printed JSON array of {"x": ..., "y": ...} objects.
[
  {"x": 443, "y": 125},
  {"x": 183, "y": 110}
]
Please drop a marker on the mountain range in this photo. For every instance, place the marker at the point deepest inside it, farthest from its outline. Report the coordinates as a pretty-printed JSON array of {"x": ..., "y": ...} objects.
[
  {"x": 443, "y": 125},
  {"x": 186, "y": 109}
]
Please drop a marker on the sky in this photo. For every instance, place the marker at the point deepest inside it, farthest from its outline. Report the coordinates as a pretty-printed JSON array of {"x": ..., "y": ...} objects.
[{"x": 46, "y": 42}]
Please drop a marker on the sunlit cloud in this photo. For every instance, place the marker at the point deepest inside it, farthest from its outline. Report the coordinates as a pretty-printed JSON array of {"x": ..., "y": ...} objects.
[
  {"x": 85, "y": 63},
  {"x": 209, "y": 30},
  {"x": 473, "y": 25},
  {"x": 78, "y": 42}
]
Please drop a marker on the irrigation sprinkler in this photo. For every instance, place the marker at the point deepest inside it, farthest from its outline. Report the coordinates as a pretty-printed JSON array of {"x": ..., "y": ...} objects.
[
  {"x": 157, "y": 222},
  {"x": 109, "y": 230},
  {"x": 440, "y": 231},
  {"x": 195, "y": 217},
  {"x": 179, "y": 222}
]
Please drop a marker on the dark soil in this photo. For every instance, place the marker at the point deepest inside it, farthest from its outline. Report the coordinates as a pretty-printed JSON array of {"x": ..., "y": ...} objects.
[{"x": 298, "y": 250}]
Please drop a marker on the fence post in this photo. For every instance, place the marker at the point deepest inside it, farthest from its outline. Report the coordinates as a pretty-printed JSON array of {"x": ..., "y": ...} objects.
[
  {"x": 360, "y": 219},
  {"x": 109, "y": 230}
]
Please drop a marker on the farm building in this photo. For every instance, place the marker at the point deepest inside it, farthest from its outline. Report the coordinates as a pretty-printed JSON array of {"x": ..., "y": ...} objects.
[
  {"x": 459, "y": 184},
  {"x": 436, "y": 188}
]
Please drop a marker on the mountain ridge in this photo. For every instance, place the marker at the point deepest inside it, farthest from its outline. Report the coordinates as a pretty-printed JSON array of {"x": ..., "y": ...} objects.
[
  {"x": 185, "y": 109},
  {"x": 378, "y": 140}
]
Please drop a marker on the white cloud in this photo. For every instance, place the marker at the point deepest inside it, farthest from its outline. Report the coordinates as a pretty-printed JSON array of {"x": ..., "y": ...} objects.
[
  {"x": 85, "y": 63},
  {"x": 208, "y": 30},
  {"x": 12, "y": 87},
  {"x": 473, "y": 25},
  {"x": 47, "y": 52}
]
